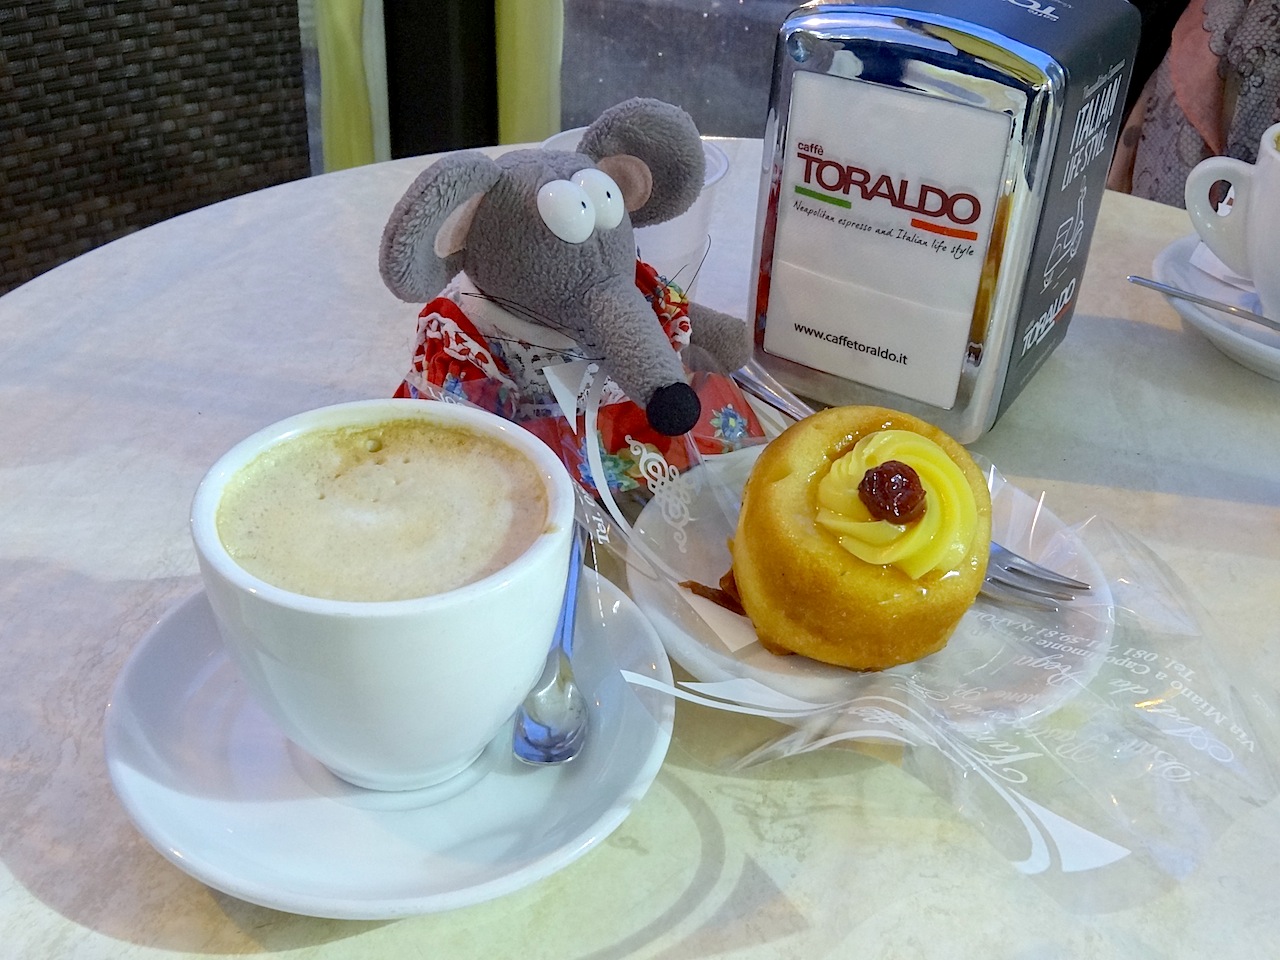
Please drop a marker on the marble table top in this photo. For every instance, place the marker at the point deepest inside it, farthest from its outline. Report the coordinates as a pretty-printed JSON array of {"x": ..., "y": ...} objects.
[{"x": 124, "y": 373}]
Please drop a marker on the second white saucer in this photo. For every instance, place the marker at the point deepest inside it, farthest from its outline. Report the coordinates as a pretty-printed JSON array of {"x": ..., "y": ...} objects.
[{"x": 1248, "y": 344}]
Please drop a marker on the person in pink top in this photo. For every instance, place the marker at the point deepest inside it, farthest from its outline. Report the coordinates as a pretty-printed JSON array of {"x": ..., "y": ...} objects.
[{"x": 1215, "y": 91}]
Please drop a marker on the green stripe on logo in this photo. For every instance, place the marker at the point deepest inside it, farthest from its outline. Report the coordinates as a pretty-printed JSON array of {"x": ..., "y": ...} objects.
[{"x": 835, "y": 201}]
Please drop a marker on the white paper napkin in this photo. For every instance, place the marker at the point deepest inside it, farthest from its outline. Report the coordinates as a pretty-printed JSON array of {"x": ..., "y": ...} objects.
[{"x": 1206, "y": 260}]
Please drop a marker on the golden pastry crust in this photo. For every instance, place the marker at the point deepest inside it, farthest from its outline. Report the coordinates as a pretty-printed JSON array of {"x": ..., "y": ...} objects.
[{"x": 805, "y": 593}]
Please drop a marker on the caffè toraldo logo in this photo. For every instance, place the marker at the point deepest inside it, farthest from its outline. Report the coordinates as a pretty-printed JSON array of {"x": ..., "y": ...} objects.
[{"x": 835, "y": 181}]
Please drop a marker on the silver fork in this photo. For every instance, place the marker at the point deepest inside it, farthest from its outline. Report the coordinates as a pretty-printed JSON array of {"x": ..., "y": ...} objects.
[{"x": 1010, "y": 576}]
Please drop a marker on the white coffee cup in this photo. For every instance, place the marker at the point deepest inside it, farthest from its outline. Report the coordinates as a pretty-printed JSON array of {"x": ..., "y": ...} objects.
[
  {"x": 1247, "y": 239},
  {"x": 391, "y": 694}
]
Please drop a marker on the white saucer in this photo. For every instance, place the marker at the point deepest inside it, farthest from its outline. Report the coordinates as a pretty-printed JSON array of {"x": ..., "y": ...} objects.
[
  {"x": 212, "y": 783},
  {"x": 1004, "y": 662},
  {"x": 1249, "y": 344}
]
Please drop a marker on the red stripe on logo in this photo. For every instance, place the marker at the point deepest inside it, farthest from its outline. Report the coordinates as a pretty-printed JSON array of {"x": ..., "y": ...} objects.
[{"x": 945, "y": 231}]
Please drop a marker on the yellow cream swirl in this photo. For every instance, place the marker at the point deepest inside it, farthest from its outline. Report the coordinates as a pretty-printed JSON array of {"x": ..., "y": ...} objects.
[{"x": 937, "y": 541}]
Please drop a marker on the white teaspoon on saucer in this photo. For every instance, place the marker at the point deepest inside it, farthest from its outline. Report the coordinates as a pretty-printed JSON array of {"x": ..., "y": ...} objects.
[
  {"x": 1235, "y": 311},
  {"x": 551, "y": 724}
]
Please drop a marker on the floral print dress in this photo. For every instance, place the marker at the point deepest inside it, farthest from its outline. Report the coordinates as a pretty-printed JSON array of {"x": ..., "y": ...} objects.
[{"x": 471, "y": 349}]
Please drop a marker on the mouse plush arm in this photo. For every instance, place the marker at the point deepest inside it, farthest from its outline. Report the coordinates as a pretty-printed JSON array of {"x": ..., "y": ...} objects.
[{"x": 720, "y": 334}]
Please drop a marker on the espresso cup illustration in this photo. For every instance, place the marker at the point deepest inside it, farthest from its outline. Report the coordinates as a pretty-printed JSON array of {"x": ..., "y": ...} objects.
[
  {"x": 1246, "y": 239},
  {"x": 387, "y": 576}
]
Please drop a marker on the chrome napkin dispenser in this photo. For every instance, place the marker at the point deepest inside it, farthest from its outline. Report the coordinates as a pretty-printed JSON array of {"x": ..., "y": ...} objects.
[{"x": 931, "y": 180}]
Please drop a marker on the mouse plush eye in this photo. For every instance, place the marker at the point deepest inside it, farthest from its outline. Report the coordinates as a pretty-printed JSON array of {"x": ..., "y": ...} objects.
[
  {"x": 567, "y": 210},
  {"x": 605, "y": 196}
]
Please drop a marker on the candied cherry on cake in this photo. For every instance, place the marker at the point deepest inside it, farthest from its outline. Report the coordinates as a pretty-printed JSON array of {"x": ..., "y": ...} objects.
[{"x": 892, "y": 491}]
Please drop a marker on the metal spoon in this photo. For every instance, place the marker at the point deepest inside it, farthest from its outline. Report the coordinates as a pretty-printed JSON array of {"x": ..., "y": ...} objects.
[
  {"x": 551, "y": 724},
  {"x": 1206, "y": 302}
]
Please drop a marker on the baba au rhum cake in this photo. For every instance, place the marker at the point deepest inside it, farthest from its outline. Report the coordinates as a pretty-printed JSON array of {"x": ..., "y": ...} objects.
[{"x": 863, "y": 538}]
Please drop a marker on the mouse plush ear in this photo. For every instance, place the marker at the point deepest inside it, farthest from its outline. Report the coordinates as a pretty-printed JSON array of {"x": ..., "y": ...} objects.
[
  {"x": 660, "y": 137},
  {"x": 426, "y": 235}
]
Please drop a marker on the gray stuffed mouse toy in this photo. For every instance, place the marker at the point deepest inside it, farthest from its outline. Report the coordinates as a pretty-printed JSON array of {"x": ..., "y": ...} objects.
[{"x": 548, "y": 235}]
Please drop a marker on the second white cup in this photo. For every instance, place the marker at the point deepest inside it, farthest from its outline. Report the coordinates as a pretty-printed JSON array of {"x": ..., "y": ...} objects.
[{"x": 1247, "y": 239}]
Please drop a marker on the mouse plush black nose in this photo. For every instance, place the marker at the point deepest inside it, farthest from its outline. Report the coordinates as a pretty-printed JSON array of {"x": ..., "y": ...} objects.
[{"x": 673, "y": 409}]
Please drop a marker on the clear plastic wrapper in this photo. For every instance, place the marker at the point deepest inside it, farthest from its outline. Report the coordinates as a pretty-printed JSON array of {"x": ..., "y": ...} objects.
[{"x": 1101, "y": 744}]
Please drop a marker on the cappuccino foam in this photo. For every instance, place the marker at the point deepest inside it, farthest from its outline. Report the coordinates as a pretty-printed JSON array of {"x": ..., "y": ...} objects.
[{"x": 390, "y": 511}]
